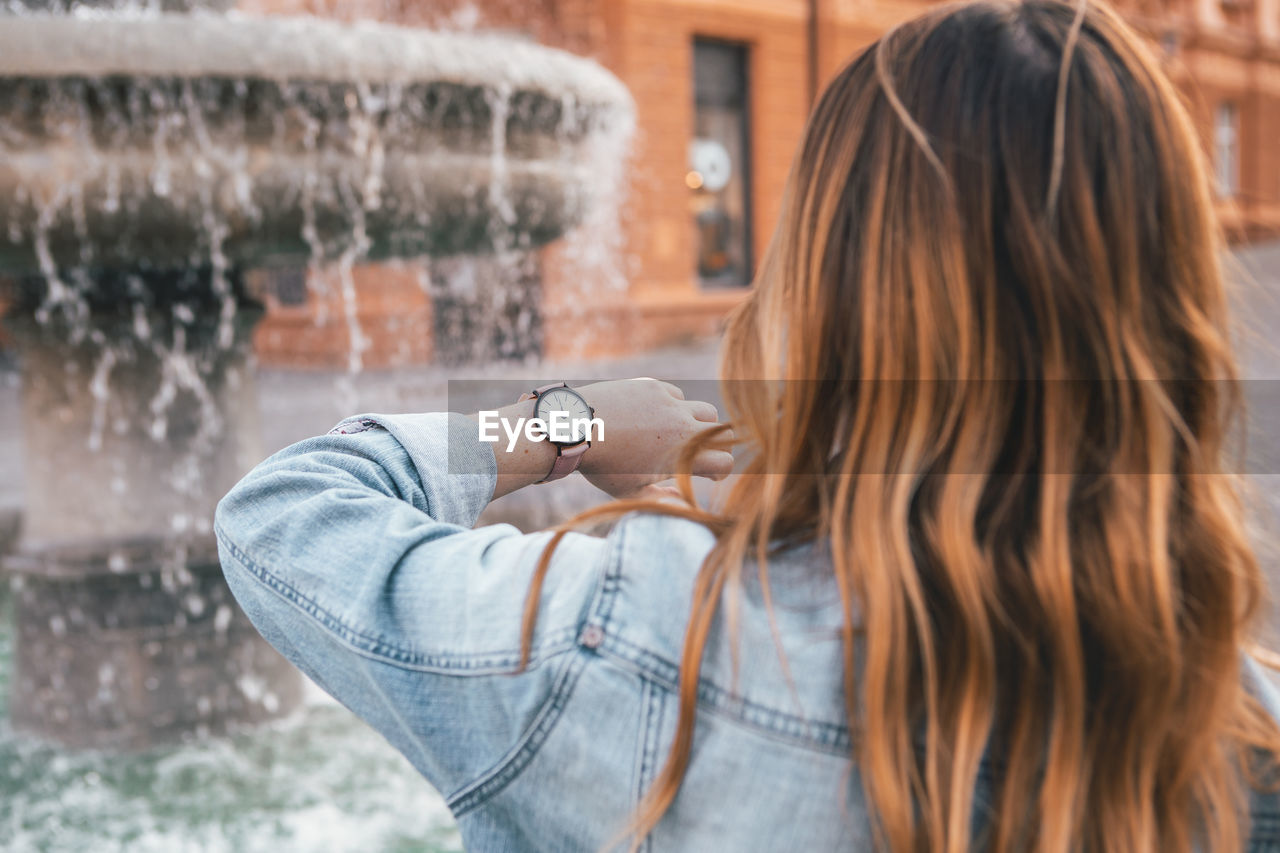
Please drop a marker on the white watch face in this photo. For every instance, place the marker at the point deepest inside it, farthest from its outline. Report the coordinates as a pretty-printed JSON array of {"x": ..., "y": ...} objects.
[{"x": 566, "y": 415}]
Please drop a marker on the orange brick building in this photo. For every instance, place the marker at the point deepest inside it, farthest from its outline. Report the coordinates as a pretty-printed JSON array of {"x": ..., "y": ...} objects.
[{"x": 689, "y": 254}]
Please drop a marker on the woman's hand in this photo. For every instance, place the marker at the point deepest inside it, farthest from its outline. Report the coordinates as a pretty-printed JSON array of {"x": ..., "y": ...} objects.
[{"x": 646, "y": 423}]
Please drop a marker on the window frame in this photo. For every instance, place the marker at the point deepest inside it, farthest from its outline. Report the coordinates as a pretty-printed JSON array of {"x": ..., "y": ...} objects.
[{"x": 747, "y": 50}]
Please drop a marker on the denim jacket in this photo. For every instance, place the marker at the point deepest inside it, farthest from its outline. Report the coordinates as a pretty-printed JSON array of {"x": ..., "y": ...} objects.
[{"x": 354, "y": 555}]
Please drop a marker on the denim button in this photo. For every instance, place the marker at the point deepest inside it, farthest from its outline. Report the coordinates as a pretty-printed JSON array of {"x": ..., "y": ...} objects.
[{"x": 592, "y": 636}]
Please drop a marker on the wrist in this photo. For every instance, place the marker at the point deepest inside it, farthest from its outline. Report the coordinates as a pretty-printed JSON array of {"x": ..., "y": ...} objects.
[{"x": 520, "y": 462}]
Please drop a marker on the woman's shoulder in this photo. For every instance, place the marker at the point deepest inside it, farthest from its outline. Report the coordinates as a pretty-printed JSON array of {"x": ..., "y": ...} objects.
[
  {"x": 649, "y": 578},
  {"x": 668, "y": 537},
  {"x": 650, "y": 583}
]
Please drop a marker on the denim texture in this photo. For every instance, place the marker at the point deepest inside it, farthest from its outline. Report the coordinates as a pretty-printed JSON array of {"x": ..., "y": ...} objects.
[{"x": 354, "y": 553}]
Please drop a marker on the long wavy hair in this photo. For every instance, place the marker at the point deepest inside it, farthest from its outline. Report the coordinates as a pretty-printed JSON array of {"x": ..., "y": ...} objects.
[{"x": 989, "y": 366}]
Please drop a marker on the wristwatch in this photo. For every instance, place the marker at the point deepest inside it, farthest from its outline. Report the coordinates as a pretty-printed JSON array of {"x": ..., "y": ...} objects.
[{"x": 558, "y": 399}]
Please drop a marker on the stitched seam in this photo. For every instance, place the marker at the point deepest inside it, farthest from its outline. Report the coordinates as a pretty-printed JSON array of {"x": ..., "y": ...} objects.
[
  {"x": 815, "y": 734},
  {"x": 653, "y": 729},
  {"x": 1264, "y": 826},
  {"x": 519, "y": 756},
  {"x": 612, "y": 580},
  {"x": 479, "y": 663},
  {"x": 642, "y": 742},
  {"x": 488, "y": 784},
  {"x": 647, "y": 663},
  {"x": 652, "y": 723}
]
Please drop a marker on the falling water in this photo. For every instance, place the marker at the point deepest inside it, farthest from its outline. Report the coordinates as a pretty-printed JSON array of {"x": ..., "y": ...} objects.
[{"x": 143, "y": 175}]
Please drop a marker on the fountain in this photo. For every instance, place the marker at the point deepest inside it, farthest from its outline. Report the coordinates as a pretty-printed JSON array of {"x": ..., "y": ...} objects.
[{"x": 148, "y": 163}]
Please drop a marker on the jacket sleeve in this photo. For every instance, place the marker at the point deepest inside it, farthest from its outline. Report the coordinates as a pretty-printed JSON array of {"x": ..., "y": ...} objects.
[{"x": 354, "y": 556}]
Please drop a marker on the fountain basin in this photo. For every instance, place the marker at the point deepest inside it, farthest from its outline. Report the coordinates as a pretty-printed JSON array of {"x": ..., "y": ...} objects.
[{"x": 264, "y": 140}]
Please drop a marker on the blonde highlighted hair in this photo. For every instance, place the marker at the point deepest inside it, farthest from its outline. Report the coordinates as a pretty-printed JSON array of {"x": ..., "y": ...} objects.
[{"x": 995, "y": 296}]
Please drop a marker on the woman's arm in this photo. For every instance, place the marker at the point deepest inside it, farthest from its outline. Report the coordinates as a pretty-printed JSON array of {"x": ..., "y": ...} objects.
[
  {"x": 646, "y": 422},
  {"x": 353, "y": 554}
]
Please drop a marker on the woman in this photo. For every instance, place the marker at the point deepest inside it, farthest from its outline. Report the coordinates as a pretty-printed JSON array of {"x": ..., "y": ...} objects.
[{"x": 981, "y": 582}]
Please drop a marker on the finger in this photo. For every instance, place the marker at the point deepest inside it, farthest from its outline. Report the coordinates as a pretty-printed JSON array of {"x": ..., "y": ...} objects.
[
  {"x": 625, "y": 485},
  {"x": 724, "y": 436},
  {"x": 657, "y": 492},
  {"x": 713, "y": 464},
  {"x": 704, "y": 412},
  {"x": 674, "y": 390}
]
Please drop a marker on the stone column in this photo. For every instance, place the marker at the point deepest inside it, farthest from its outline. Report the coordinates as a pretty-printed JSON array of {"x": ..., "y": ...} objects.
[{"x": 136, "y": 419}]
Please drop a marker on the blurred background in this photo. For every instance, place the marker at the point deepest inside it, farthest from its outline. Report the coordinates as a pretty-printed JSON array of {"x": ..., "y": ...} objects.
[{"x": 225, "y": 225}]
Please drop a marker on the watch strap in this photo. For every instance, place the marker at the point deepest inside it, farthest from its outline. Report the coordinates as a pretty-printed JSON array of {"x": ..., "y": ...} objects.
[
  {"x": 542, "y": 389},
  {"x": 567, "y": 461}
]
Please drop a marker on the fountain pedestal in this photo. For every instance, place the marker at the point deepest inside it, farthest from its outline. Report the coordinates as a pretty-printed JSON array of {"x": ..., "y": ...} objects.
[
  {"x": 137, "y": 417},
  {"x": 120, "y": 647}
]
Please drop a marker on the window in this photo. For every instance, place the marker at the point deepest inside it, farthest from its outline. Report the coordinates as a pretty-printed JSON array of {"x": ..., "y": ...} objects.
[
  {"x": 1226, "y": 149},
  {"x": 719, "y": 176},
  {"x": 1237, "y": 13},
  {"x": 289, "y": 286}
]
